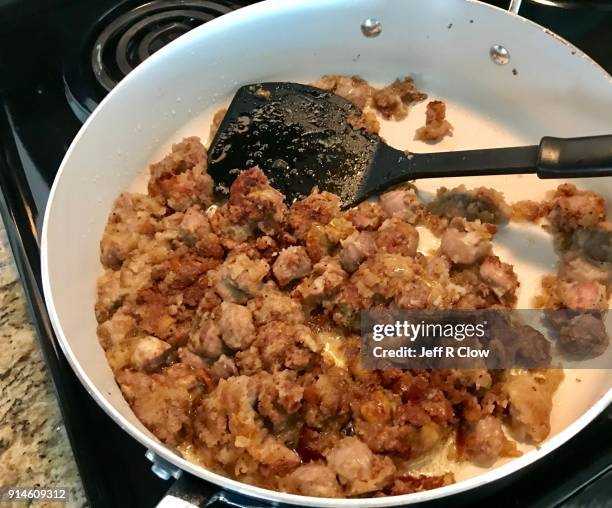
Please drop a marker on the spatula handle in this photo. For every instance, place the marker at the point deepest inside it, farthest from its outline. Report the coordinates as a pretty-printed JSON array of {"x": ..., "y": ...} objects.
[
  {"x": 552, "y": 158},
  {"x": 575, "y": 157}
]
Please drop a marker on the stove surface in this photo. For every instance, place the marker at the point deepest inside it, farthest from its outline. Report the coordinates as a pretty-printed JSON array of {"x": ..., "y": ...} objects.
[{"x": 64, "y": 56}]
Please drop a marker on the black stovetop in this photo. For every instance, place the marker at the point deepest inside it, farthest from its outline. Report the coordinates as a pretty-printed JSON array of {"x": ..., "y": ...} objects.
[{"x": 48, "y": 86}]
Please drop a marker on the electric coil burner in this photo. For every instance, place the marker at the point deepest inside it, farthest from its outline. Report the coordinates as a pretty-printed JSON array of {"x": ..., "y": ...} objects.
[
  {"x": 123, "y": 38},
  {"x": 106, "y": 40},
  {"x": 135, "y": 35}
]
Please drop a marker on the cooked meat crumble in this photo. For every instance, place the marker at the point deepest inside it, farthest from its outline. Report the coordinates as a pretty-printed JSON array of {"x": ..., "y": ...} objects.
[
  {"x": 232, "y": 329},
  {"x": 486, "y": 205},
  {"x": 436, "y": 125},
  {"x": 577, "y": 220},
  {"x": 391, "y": 101}
]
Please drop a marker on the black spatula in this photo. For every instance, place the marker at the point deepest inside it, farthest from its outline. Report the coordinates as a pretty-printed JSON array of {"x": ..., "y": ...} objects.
[{"x": 301, "y": 136}]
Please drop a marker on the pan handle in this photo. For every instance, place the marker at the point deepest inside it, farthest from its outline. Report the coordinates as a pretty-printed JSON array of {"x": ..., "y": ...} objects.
[
  {"x": 575, "y": 157},
  {"x": 220, "y": 499},
  {"x": 191, "y": 492},
  {"x": 514, "y": 6}
]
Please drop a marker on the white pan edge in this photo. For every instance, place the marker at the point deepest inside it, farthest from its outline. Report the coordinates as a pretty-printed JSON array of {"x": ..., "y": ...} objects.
[{"x": 164, "y": 452}]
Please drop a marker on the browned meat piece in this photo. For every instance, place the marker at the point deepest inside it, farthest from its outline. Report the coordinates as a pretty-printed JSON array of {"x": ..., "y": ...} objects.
[
  {"x": 367, "y": 121},
  {"x": 326, "y": 402},
  {"x": 352, "y": 88},
  {"x": 180, "y": 179},
  {"x": 564, "y": 294},
  {"x": 166, "y": 306},
  {"x": 317, "y": 243},
  {"x": 224, "y": 367},
  {"x": 134, "y": 220},
  {"x": 321, "y": 241},
  {"x": 325, "y": 281},
  {"x": 407, "y": 90},
  {"x": 407, "y": 483},
  {"x": 318, "y": 207},
  {"x": 239, "y": 278},
  {"x": 583, "y": 295},
  {"x": 466, "y": 242},
  {"x": 577, "y": 269},
  {"x": 317, "y": 221},
  {"x": 356, "y": 248},
  {"x": 385, "y": 426},
  {"x": 415, "y": 295},
  {"x": 186, "y": 154},
  {"x": 156, "y": 317},
  {"x": 389, "y": 104},
  {"x": 194, "y": 225},
  {"x": 113, "y": 287},
  {"x": 584, "y": 336},
  {"x": 482, "y": 203},
  {"x": 382, "y": 279},
  {"x": 280, "y": 397},
  {"x": 312, "y": 480},
  {"x": 231, "y": 231},
  {"x": 252, "y": 198},
  {"x": 162, "y": 401},
  {"x": 527, "y": 211},
  {"x": 396, "y": 440},
  {"x": 227, "y": 423},
  {"x": 191, "y": 359},
  {"x": 196, "y": 232},
  {"x": 528, "y": 346},
  {"x": 253, "y": 206},
  {"x": 368, "y": 215},
  {"x": 397, "y": 237},
  {"x": 279, "y": 346},
  {"x": 500, "y": 277},
  {"x": 312, "y": 443},
  {"x": 595, "y": 243},
  {"x": 109, "y": 295},
  {"x": 338, "y": 229},
  {"x": 484, "y": 442},
  {"x": 236, "y": 324},
  {"x": 571, "y": 208},
  {"x": 291, "y": 264},
  {"x": 393, "y": 100},
  {"x": 267, "y": 247},
  {"x": 114, "y": 331},
  {"x": 180, "y": 271},
  {"x": 530, "y": 397},
  {"x": 205, "y": 338},
  {"x": 116, "y": 336},
  {"x": 547, "y": 298},
  {"x": 236, "y": 396},
  {"x": 150, "y": 353},
  {"x": 273, "y": 305},
  {"x": 214, "y": 124},
  {"x": 436, "y": 125},
  {"x": 403, "y": 204},
  {"x": 358, "y": 469},
  {"x": 474, "y": 293}
]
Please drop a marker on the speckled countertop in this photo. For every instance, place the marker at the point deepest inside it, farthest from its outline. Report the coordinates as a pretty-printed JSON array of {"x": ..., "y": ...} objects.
[{"x": 34, "y": 448}]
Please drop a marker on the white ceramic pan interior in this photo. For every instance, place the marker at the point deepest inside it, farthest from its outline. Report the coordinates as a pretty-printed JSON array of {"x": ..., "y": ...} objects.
[{"x": 547, "y": 88}]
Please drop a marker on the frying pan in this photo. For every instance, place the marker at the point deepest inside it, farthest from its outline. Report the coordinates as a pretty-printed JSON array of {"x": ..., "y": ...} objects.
[{"x": 507, "y": 82}]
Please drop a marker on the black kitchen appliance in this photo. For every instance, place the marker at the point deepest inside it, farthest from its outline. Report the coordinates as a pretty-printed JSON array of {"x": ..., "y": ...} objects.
[{"x": 58, "y": 60}]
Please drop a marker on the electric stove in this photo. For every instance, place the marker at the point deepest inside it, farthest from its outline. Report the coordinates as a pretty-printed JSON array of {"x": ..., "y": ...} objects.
[{"x": 59, "y": 59}]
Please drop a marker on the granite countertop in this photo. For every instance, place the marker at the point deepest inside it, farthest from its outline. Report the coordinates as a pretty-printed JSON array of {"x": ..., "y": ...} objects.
[{"x": 34, "y": 448}]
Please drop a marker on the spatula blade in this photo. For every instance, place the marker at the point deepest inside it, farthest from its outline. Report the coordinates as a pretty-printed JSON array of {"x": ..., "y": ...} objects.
[{"x": 297, "y": 134}]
